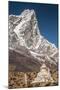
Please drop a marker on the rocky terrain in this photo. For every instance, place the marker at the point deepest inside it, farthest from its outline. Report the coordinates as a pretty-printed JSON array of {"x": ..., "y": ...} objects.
[
  {"x": 19, "y": 79},
  {"x": 29, "y": 51}
]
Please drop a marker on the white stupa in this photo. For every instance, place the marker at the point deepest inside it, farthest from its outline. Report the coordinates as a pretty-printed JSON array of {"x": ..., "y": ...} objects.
[{"x": 43, "y": 77}]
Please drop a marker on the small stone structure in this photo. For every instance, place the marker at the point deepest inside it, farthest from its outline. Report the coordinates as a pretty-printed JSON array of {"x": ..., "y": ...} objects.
[{"x": 43, "y": 77}]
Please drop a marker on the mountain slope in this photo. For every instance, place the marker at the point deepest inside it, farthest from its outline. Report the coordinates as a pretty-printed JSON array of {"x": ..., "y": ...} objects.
[{"x": 25, "y": 38}]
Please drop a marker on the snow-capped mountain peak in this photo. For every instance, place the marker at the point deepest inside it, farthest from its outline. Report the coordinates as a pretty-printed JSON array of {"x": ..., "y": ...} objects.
[
  {"x": 27, "y": 29},
  {"x": 24, "y": 32}
]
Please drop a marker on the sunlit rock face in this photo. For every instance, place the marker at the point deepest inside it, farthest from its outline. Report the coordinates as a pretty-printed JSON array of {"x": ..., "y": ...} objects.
[{"x": 25, "y": 38}]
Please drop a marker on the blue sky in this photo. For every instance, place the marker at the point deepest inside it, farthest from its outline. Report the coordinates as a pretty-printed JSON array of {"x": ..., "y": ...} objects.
[{"x": 47, "y": 16}]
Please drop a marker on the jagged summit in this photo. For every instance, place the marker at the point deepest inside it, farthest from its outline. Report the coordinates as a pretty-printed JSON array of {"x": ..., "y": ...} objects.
[
  {"x": 26, "y": 28},
  {"x": 27, "y": 12},
  {"x": 25, "y": 37}
]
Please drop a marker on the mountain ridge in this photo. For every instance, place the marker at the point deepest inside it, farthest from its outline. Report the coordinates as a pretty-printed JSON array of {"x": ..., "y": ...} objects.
[{"x": 24, "y": 32}]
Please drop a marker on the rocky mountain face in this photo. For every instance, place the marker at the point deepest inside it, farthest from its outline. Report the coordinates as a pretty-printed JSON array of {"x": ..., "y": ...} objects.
[{"x": 28, "y": 49}]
